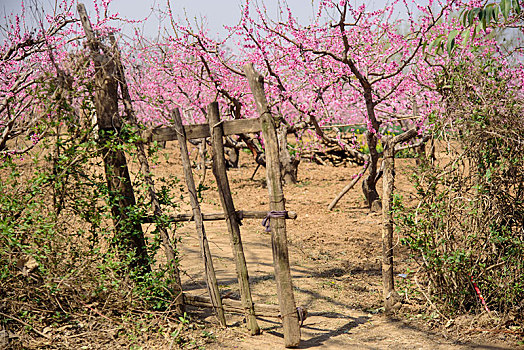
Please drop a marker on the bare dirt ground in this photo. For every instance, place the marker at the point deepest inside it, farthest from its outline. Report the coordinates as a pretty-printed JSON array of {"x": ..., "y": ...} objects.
[{"x": 335, "y": 263}]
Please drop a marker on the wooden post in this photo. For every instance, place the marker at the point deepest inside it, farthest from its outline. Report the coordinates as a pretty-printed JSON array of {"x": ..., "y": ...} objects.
[
  {"x": 169, "y": 249},
  {"x": 209, "y": 270},
  {"x": 219, "y": 170},
  {"x": 286, "y": 297},
  {"x": 391, "y": 297},
  {"x": 129, "y": 235},
  {"x": 388, "y": 283}
]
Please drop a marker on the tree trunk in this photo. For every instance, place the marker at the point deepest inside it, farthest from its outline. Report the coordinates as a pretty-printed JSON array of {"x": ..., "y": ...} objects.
[
  {"x": 369, "y": 185},
  {"x": 288, "y": 163},
  {"x": 145, "y": 169},
  {"x": 233, "y": 155},
  {"x": 129, "y": 236}
]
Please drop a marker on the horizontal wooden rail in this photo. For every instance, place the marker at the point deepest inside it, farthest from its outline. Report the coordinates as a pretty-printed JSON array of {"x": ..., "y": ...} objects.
[
  {"x": 232, "y": 306},
  {"x": 235, "y": 307},
  {"x": 198, "y": 131},
  {"x": 241, "y": 214}
]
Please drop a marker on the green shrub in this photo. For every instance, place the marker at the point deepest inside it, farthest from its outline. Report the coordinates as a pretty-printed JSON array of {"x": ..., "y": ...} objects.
[
  {"x": 58, "y": 247},
  {"x": 468, "y": 224}
]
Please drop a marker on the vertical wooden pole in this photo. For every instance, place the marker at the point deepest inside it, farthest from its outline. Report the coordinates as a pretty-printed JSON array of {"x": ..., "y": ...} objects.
[
  {"x": 145, "y": 169},
  {"x": 388, "y": 283},
  {"x": 391, "y": 297},
  {"x": 129, "y": 235},
  {"x": 219, "y": 170},
  {"x": 209, "y": 270},
  {"x": 276, "y": 203}
]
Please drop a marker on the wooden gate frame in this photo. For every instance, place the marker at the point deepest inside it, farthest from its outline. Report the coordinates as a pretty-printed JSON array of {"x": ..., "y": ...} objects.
[{"x": 216, "y": 129}]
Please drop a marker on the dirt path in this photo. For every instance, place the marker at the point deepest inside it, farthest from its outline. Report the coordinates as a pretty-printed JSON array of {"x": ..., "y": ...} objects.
[{"x": 335, "y": 260}]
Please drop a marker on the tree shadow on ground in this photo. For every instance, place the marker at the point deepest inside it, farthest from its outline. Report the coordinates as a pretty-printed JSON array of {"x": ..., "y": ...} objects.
[
  {"x": 326, "y": 333},
  {"x": 404, "y": 325}
]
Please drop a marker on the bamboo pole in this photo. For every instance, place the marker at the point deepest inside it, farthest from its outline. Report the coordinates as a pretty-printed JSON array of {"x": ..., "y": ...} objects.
[
  {"x": 211, "y": 280},
  {"x": 219, "y": 170},
  {"x": 286, "y": 297}
]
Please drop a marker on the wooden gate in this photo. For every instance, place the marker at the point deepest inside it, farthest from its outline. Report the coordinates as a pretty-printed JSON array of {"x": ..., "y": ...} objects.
[{"x": 216, "y": 129}]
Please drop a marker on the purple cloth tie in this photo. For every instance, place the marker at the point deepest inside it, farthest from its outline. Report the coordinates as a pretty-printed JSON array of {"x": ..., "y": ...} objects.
[{"x": 273, "y": 214}]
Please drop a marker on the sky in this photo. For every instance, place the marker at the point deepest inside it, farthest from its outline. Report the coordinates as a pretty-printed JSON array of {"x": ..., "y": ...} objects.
[{"x": 215, "y": 13}]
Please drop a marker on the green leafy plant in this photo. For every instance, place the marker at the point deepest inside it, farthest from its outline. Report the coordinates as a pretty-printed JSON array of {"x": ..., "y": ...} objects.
[
  {"x": 466, "y": 231},
  {"x": 62, "y": 260}
]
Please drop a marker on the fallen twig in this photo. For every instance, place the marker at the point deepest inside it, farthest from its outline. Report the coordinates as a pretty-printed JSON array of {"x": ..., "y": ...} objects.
[
  {"x": 348, "y": 187},
  {"x": 26, "y": 324},
  {"x": 98, "y": 312},
  {"x": 427, "y": 298}
]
